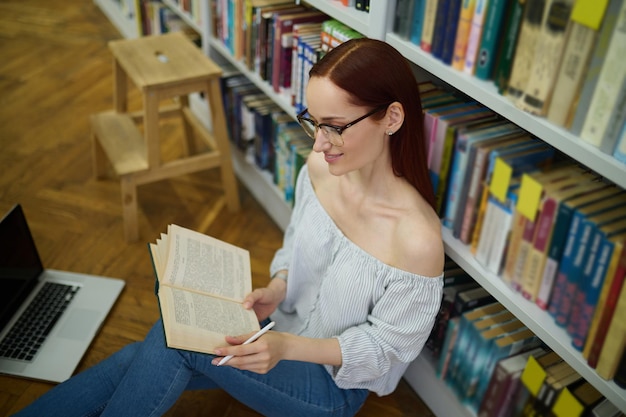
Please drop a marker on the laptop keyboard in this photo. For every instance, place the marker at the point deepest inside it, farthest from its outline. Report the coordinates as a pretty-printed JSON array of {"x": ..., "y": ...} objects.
[{"x": 30, "y": 331}]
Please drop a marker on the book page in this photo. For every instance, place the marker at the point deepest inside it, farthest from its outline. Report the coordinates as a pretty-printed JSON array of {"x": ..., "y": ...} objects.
[
  {"x": 201, "y": 263},
  {"x": 204, "y": 313}
]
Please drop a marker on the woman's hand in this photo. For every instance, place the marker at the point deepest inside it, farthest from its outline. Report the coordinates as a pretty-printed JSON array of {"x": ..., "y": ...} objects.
[
  {"x": 265, "y": 300},
  {"x": 259, "y": 356}
]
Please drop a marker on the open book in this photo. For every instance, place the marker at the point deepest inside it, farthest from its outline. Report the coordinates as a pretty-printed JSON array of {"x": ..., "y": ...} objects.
[{"x": 200, "y": 285}]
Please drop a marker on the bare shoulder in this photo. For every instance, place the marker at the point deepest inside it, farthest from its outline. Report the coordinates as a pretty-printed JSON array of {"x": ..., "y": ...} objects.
[{"x": 420, "y": 243}]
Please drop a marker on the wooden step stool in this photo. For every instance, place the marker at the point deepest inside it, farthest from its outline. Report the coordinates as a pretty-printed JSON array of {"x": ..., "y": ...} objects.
[{"x": 162, "y": 67}]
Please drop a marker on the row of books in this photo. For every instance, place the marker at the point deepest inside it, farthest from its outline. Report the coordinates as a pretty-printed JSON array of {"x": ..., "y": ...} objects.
[
  {"x": 552, "y": 230},
  {"x": 557, "y": 59},
  {"x": 268, "y": 136},
  {"x": 483, "y": 353},
  {"x": 278, "y": 40}
]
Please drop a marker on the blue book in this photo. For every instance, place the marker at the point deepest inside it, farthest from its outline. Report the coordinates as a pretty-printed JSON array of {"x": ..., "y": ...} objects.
[
  {"x": 490, "y": 39},
  {"x": 449, "y": 39},
  {"x": 462, "y": 338},
  {"x": 575, "y": 254},
  {"x": 604, "y": 228},
  {"x": 439, "y": 33},
  {"x": 482, "y": 333},
  {"x": 417, "y": 22},
  {"x": 452, "y": 330}
]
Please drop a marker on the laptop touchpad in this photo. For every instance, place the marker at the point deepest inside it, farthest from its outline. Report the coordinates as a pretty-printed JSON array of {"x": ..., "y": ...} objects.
[{"x": 80, "y": 324}]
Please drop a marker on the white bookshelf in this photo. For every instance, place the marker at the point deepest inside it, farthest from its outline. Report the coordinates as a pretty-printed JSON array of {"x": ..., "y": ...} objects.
[{"x": 377, "y": 24}]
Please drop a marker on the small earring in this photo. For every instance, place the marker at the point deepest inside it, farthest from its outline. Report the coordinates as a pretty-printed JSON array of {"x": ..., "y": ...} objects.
[{"x": 389, "y": 133}]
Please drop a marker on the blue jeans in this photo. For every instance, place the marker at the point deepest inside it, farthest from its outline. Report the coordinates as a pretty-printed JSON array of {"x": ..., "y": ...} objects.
[{"x": 146, "y": 379}]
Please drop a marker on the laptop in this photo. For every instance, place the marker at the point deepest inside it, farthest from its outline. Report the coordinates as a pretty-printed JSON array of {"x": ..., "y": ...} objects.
[{"x": 63, "y": 326}]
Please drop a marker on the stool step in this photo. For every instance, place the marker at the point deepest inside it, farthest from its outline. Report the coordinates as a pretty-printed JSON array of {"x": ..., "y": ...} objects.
[{"x": 121, "y": 140}]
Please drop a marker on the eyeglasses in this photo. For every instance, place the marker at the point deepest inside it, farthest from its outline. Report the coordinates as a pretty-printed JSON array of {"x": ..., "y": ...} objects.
[{"x": 331, "y": 132}]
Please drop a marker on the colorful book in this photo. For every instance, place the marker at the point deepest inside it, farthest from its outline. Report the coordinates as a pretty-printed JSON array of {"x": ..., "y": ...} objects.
[
  {"x": 610, "y": 353},
  {"x": 492, "y": 32},
  {"x": 452, "y": 330},
  {"x": 609, "y": 90},
  {"x": 507, "y": 48},
  {"x": 547, "y": 57},
  {"x": 475, "y": 34},
  {"x": 465, "y": 321},
  {"x": 451, "y": 24},
  {"x": 466, "y": 14},
  {"x": 417, "y": 23},
  {"x": 528, "y": 38},
  {"x": 439, "y": 32},
  {"x": 580, "y": 40},
  {"x": 402, "y": 18},
  {"x": 428, "y": 29}
]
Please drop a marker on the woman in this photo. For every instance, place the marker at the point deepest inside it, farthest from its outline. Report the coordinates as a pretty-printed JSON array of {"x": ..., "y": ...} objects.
[{"x": 355, "y": 287}]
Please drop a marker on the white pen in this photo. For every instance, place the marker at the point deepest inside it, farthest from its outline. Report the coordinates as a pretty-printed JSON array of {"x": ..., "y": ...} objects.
[{"x": 252, "y": 339}]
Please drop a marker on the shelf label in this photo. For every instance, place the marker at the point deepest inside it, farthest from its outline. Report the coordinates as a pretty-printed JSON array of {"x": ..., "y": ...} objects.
[
  {"x": 500, "y": 179},
  {"x": 567, "y": 405},
  {"x": 529, "y": 197},
  {"x": 589, "y": 12},
  {"x": 533, "y": 376}
]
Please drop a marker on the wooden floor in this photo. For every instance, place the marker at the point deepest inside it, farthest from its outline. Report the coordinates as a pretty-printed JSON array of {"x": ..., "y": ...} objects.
[{"x": 55, "y": 70}]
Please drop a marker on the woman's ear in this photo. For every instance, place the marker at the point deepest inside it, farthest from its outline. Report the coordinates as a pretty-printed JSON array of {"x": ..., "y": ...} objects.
[{"x": 395, "y": 117}]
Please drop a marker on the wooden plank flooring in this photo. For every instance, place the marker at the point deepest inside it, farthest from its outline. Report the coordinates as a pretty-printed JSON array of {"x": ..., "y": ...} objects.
[{"x": 55, "y": 71}]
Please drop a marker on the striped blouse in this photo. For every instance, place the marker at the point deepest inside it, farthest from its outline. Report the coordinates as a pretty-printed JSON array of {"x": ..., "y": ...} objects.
[{"x": 381, "y": 315}]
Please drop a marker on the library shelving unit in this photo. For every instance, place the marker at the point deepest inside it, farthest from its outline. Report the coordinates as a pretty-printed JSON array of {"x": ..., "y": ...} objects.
[{"x": 378, "y": 24}]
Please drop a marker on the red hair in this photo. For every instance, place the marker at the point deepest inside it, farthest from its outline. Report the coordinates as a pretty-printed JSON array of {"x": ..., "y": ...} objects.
[{"x": 375, "y": 74}]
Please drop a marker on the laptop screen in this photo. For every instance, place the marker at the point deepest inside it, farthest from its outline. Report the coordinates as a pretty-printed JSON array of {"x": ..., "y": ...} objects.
[{"x": 20, "y": 265}]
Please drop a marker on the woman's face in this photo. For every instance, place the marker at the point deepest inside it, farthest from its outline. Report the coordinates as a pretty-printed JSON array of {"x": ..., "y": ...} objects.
[{"x": 363, "y": 142}]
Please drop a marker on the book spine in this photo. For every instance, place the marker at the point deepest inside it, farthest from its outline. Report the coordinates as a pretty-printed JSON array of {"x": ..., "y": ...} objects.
[
  {"x": 417, "y": 25},
  {"x": 572, "y": 270},
  {"x": 580, "y": 107},
  {"x": 614, "y": 340},
  {"x": 430, "y": 15},
  {"x": 538, "y": 251},
  {"x": 508, "y": 46},
  {"x": 473, "y": 194},
  {"x": 591, "y": 294},
  {"x": 475, "y": 34},
  {"x": 451, "y": 25},
  {"x": 609, "y": 87},
  {"x": 529, "y": 34},
  {"x": 547, "y": 56},
  {"x": 439, "y": 31},
  {"x": 565, "y": 264},
  {"x": 518, "y": 281},
  {"x": 462, "y": 34},
  {"x": 612, "y": 298},
  {"x": 490, "y": 38}
]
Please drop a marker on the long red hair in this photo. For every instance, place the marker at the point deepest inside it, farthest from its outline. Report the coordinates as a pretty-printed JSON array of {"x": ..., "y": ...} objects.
[{"x": 376, "y": 74}]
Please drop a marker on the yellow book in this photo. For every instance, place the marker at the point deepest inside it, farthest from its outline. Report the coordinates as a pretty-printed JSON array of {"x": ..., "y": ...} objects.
[{"x": 462, "y": 33}]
